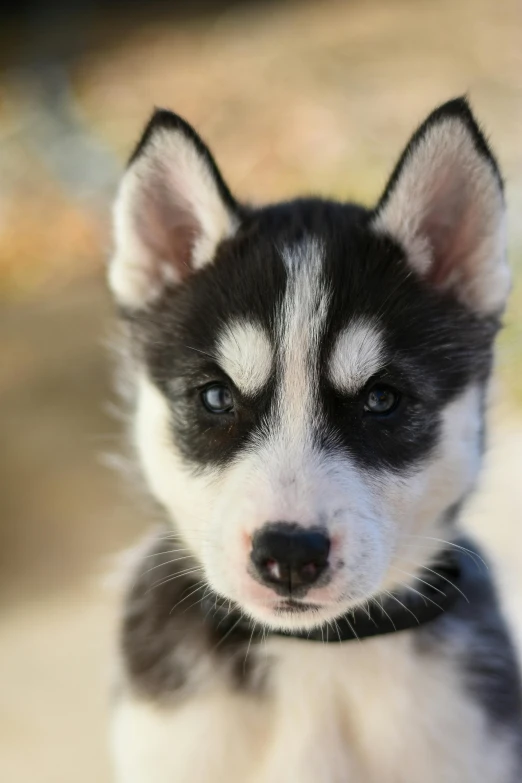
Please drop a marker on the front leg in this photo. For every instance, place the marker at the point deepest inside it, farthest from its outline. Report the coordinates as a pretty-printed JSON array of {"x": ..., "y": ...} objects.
[{"x": 210, "y": 738}]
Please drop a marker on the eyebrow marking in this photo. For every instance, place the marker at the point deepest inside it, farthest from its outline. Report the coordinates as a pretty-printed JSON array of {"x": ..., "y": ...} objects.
[
  {"x": 244, "y": 352},
  {"x": 357, "y": 355}
]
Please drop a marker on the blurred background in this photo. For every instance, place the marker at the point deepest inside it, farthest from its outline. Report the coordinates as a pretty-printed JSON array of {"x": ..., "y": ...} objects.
[{"x": 291, "y": 96}]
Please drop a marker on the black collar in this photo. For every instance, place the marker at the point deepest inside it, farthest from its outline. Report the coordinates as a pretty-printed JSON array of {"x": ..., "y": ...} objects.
[
  {"x": 398, "y": 611},
  {"x": 427, "y": 597}
]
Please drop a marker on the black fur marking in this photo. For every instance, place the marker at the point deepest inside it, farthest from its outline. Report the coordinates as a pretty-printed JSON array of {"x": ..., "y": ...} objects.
[
  {"x": 174, "y": 641},
  {"x": 475, "y": 635}
]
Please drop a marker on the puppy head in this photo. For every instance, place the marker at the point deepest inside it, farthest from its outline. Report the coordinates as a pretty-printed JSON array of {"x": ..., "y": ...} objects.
[{"x": 310, "y": 375}]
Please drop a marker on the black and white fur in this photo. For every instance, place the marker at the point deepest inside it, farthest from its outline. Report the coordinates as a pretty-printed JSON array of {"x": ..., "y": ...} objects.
[{"x": 300, "y": 309}]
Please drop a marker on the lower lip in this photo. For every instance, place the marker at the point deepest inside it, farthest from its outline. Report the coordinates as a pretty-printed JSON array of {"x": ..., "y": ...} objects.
[{"x": 293, "y": 606}]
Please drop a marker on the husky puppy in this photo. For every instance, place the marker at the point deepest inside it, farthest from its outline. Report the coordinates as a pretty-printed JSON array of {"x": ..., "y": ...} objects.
[{"x": 309, "y": 389}]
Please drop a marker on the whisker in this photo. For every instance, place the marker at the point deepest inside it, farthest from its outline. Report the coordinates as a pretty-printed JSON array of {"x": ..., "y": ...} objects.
[
  {"x": 263, "y": 640},
  {"x": 227, "y": 634},
  {"x": 366, "y": 610},
  {"x": 229, "y": 611},
  {"x": 464, "y": 549},
  {"x": 406, "y": 573},
  {"x": 391, "y": 595},
  {"x": 337, "y": 629},
  {"x": 199, "y": 587},
  {"x": 352, "y": 629},
  {"x": 386, "y": 613},
  {"x": 209, "y": 610},
  {"x": 167, "y": 552},
  {"x": 248, "y": 648},
  {"x": 196, "y": 603},
  {"x": 424, "y": 597},
  {"x": 445, "y": 578},
  {"x": 168, "y": 562},
  {"x": 161, "y": 582}
]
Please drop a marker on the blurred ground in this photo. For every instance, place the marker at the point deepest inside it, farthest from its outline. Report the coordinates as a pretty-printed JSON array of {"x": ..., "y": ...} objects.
[{"x": 291, "y": 96}]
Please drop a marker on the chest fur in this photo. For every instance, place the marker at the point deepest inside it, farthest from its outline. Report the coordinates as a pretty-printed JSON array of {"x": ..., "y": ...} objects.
[{"x": 370, "y": 712}]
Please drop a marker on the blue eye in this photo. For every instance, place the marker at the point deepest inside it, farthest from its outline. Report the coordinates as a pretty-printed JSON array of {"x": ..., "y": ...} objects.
[
  {"x": 217, "y": 398},
  {"x": 381, "y": 399}
]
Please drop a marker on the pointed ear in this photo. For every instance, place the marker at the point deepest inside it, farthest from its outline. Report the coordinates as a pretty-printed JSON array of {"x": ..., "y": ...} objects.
[
  {"x": 444, "y": 205},
  {"x": 172, "y": 211}
]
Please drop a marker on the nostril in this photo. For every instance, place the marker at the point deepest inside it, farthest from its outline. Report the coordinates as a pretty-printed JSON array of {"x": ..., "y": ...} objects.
[
  {"x": 309, "y": 572},
  {"x": 288, "y": 557},
  {"x": 273, "y": 569}
]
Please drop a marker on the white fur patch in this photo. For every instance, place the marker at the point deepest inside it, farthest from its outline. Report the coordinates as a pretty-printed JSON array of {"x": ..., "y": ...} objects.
[
  {"x": 367, "y": 712},
  {"x": 187, "y": 497},
  {"x": 213, "y": 738},
  {"x": 417, "y": 503},
  {"x": 303, "y": 317},
  {"x": 245, "y": 354},
  {"x": 357, "y": 355},
  {"x": 448, "y": 197}
]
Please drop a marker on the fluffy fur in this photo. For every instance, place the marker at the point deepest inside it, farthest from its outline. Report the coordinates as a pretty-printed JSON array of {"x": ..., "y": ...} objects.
[{"x": 302, "y": 311}]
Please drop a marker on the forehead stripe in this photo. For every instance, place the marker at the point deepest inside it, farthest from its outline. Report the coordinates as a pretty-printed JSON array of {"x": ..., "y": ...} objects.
[
  {"x": 303, "y": 318},
  {"x": 245, "y": 354},
  {"x": 358, "y": 354}
]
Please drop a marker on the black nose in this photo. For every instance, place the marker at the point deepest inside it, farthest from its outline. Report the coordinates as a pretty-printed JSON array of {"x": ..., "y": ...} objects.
[{"x": 289, "y": 558}]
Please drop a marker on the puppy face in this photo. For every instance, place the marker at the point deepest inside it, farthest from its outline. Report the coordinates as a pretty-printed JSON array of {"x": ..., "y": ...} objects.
[{"x": 310, "y": 376}]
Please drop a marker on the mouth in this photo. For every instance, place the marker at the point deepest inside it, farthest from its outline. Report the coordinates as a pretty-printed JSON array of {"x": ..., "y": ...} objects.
[{"x": 292, "y": 606}]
